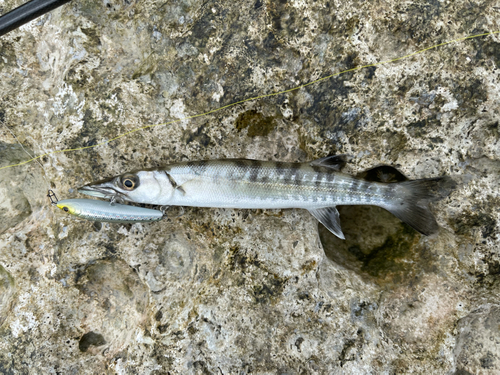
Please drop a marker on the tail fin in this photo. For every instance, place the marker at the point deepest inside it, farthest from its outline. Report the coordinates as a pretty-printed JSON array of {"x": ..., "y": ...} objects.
[{"x": 412, "y": 202}]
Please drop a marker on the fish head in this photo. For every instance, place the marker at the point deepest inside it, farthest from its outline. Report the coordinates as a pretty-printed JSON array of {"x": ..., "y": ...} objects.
[{"x": 139, "y": 187}]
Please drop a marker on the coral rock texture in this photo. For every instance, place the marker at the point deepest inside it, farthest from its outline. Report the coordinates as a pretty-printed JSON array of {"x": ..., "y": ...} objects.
[{"x": 221, "y": 291}]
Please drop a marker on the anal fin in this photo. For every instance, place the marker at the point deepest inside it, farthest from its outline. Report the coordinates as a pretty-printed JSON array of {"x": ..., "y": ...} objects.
[{"x": 329, "y": 217}]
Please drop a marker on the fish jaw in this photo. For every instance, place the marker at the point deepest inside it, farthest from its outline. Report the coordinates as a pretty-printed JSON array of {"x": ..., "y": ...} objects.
[
  {"x": 104, "y": 190},
  {"x": 93, "y": 192}
]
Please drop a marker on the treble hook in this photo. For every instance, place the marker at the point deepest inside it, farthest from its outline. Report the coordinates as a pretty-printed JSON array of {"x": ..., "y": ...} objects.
[
  {"x": 164, "y": 210},
  {"x": 53, "y": 198},
  {"x": 115, "y": 199}
]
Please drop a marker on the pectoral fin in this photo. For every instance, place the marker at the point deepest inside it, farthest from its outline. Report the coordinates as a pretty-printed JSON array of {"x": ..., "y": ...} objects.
[
  {"x": 329, "y": 217},
  {"x": 174, "y": 184},
  {"x": 336, "y": 162}
]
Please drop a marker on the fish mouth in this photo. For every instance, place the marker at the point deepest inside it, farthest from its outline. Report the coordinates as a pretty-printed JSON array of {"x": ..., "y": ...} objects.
[{"x": 101, "y": 192}]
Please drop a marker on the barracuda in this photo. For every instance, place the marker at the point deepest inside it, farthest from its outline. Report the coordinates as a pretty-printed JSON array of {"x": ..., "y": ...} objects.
[{"x": 318, "y": 186}]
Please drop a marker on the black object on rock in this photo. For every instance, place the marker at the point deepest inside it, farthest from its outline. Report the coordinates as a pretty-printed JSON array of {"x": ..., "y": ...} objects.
[{"x": 26, "y": 13}]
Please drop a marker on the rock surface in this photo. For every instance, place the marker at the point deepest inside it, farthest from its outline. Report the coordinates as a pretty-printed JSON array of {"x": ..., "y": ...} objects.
[{"x": 219, "y": 291}]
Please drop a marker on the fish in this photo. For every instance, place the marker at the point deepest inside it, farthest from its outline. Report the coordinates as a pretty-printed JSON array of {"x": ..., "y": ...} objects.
[
  {"x": 318, "y": 186},
  {"x": 96, "y": 210}
]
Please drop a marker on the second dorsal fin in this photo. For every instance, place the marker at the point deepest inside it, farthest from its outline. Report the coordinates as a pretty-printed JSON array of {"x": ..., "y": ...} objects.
[{"x": 336, "y": 162}]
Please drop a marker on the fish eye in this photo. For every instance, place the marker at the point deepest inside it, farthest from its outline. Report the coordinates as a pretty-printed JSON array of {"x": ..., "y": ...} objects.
[
  {"x": 129, "y": 182},
  {"x": 65, "y": 209}
]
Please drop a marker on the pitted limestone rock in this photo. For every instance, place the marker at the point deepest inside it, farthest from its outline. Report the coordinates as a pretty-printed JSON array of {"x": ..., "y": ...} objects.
[{"x": 250, "y": 291}]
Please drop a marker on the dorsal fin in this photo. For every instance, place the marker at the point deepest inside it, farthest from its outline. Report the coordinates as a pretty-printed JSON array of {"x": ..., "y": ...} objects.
[
  {"x": 336, "y": 162},
  {"x": 329, "y": 217},
  {"x": 383, "y": 173}
]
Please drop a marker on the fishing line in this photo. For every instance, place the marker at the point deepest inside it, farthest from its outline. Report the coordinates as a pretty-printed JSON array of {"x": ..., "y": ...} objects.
[
  {"x": 253, "y": 98},
  {"x": 27, "y": 153}
]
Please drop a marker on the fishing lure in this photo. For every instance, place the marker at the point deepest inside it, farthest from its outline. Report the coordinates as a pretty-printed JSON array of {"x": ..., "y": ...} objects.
[
  {"x": 95, "y": 210},
  {"x": 318, "y": 186}
]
